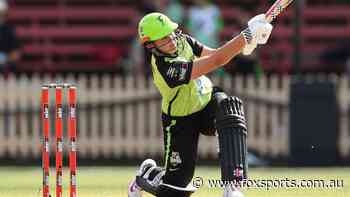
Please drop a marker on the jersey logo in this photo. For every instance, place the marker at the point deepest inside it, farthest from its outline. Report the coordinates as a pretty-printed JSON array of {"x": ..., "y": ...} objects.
[
  {"x": 171, "y": 72},
  {"x": 183, "y": 71},
  {"x": 161, "y": 20},
  {"x": 177, "y": 71}
]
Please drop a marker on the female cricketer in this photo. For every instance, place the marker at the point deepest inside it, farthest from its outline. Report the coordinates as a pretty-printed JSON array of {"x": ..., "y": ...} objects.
[{"x": 191, "y": 105}]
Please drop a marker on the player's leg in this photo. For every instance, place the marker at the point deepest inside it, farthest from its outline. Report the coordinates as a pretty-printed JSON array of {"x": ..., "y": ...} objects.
[
  {"x": 232, "y": 132},
  {"x": 212, "y": 116},
  {"x": 180, "y": 141}
]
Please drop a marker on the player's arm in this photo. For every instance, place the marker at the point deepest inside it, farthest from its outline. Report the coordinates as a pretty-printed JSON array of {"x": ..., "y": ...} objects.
[
  {"x": 217, "y": 58},
  {"x": 176, "y": 73},
  {"x": 207, "y": 51},
  {"x": 258, "y": 31}
]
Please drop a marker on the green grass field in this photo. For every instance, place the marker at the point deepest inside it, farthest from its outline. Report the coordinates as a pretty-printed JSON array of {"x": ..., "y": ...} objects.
[{"x": 112, "y": 182}]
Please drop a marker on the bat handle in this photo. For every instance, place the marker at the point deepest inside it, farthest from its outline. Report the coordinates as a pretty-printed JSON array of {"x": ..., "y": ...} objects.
[
  {"x": 270, "y": 14},
  {"x": 268, "y": 18}
]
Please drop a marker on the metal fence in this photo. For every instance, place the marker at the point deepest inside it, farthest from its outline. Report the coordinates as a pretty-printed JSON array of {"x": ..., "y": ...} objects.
[{"x": 121, "y": 116}]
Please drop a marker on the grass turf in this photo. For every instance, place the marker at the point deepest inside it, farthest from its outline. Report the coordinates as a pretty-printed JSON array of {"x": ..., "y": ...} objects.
[{"x": 112, "y": 182}]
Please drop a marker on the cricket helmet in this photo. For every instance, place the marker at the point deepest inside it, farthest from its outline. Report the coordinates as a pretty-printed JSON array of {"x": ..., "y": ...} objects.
[{"x": 155, "y": 26}]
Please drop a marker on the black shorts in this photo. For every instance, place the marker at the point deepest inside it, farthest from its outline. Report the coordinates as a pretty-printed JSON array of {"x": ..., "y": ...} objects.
[{"x": 181, "y": 141}]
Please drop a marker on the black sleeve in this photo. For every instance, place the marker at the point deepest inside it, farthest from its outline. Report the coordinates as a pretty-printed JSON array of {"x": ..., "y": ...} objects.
[
  {"x": 197, "y": 47},
  {"x": 175, "y": 73}
]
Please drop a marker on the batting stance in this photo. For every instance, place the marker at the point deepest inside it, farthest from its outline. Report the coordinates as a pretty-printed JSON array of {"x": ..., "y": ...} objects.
[{"x": 191, "y": 105}]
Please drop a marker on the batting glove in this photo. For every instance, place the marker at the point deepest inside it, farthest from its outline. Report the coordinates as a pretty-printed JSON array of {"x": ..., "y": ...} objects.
[{"x": 258, "y": 32}]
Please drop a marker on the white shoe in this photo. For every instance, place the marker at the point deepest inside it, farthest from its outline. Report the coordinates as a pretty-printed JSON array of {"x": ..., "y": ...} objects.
[
  {"x": 147, "y": 163},
  {"x": 231, "y": 191},
  {"x": 133, "y": 189}
]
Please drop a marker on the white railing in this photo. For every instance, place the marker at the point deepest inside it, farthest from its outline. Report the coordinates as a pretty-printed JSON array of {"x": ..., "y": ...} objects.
[{"x": 122, "y": 116}]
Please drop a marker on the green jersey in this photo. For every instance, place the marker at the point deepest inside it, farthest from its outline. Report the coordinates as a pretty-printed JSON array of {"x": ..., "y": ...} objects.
[{"x": 181, "y": 96}]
